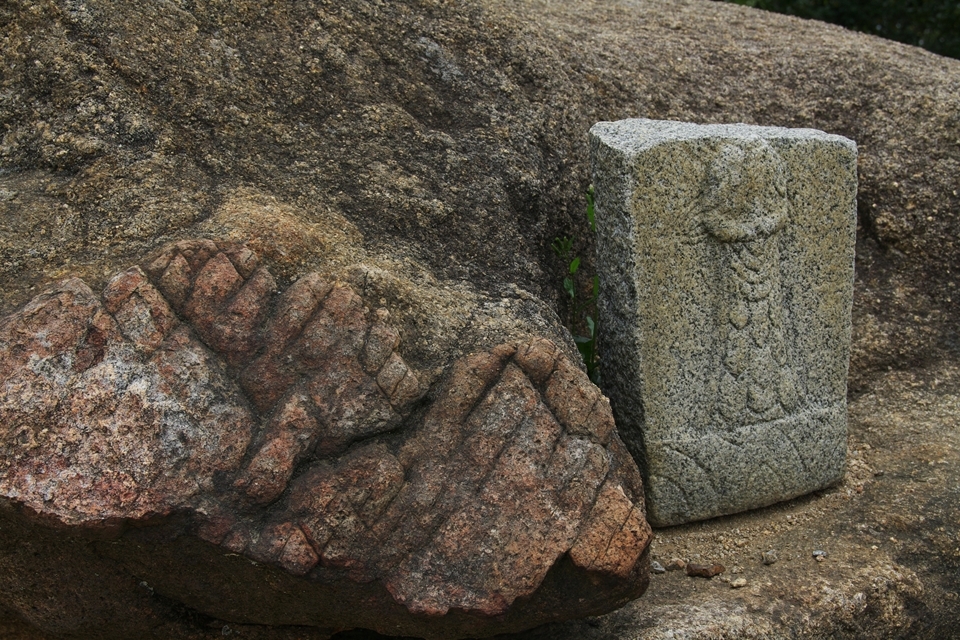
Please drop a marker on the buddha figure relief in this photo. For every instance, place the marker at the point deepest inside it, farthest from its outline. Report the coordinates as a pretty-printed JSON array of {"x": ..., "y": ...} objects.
[{"x": 745, "y": 208}]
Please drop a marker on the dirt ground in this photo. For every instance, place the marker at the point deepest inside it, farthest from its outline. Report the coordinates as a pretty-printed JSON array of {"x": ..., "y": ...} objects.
[{"x": 889, "y": 533}]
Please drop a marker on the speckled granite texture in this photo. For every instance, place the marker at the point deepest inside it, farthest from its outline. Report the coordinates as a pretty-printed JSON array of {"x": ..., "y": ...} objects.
[{"x": 726, "y": 259}]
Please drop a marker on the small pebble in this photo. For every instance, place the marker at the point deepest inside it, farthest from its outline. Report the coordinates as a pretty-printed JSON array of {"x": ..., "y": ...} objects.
[
  {"x": 704, "y": 570},
  {"x": 656, "y": 567},
  {"x": 676, "y": 565},
  {"x": 819, "y": 556},
  {"x": 739, "y": 582},
  {"x": 769, "y": 557}
]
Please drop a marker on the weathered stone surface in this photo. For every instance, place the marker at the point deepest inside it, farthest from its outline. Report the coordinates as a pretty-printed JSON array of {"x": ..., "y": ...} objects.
[
  {"x": 726, "y": 261},
  {"x": 193, "y": 398},
  {"x": 451, "y": 134},
  {"x": 427, "y": 153}
]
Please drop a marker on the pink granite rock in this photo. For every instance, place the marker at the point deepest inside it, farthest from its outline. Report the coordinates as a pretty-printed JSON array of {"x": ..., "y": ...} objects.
[{"x": 192, "y": 399}]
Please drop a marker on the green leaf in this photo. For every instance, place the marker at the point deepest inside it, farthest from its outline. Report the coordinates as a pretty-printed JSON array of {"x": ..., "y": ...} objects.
[
  {"x": 587, "y": 348},
  {"x": 562, "y": 246},
  {"x": 584, "y": 308}
]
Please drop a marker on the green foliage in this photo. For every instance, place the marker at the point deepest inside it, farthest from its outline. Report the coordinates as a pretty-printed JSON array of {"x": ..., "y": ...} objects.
[
  {"x": 931, "y": 24},
  {"x": 584, "y": 307},
  {"x": 562, "y": 246}
]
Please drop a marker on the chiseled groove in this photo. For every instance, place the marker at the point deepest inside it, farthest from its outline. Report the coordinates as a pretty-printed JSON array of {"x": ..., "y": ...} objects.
[
  {"x": 218, "y": 311},
  {"x": 506, "y": 441},
  {"x": 301, "y": 375},
  {"x": 793, "y": 445},
  {"x": 263, "y": 350},
  {"x": 288, "y": 342},
  {"x": 356, "y": 508},
  {"x": 259, "y": 441},
  {"x": 244, "y": 282},
  {"x": 385, "y": 535},
  {"x": 309, "y": 454},
  {"x": 548, "y": 463},
  {"x": 541, "y": 391},
  {"x": 602, "y": 554},
  {"x": 193, "y": 278},
  {"x": 487, "y": 389},
  {"x": 778, "y": 476},
  {"x": 596, "y": 492},
  {"x": 299, "y": 527},
  {"x": 180, "y": 314},
  {"x": 709, "y": 476},
  {"x": 684, "y": 493},
  {"x": 590, "y": 437},
  {"x": 587, "y": 512},
  {"x": 374, "y": 517},
  {"x": 145, "y": 358},
  {"x": 441, "y": 519},
  {"x": 317, "y": 549}
]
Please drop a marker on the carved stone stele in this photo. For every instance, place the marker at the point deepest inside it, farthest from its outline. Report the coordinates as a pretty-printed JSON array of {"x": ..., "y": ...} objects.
[{"x": 726, "y": 263}]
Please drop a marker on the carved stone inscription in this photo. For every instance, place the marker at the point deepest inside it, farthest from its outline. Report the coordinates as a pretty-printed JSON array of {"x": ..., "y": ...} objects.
[{"x": 726, "y": 262}]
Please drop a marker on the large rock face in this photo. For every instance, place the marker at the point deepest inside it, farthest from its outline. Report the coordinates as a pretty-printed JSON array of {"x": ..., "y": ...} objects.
[
  {"x": 287, "y": 428},
  {"x": 424, "y": 154},
  {"x": 448, "y": 132}
]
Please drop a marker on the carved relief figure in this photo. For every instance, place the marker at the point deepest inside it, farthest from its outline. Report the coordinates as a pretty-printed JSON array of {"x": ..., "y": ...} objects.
[{"x": 745, "y": 209}]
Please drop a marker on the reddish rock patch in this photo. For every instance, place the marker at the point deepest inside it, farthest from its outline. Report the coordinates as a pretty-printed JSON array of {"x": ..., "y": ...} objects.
[{"x": 290, "y": 430}]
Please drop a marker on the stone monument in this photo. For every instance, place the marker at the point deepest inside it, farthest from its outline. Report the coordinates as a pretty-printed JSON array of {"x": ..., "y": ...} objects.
[{"x": 726, "y": 257}]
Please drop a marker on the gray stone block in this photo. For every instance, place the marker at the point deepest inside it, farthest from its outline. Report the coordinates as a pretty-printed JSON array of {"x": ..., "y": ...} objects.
[{"x": 726, "y": 256}]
